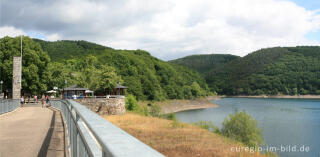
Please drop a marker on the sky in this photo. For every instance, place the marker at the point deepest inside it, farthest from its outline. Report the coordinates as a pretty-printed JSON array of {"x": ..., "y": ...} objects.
[{"x": 165, "y": 28}]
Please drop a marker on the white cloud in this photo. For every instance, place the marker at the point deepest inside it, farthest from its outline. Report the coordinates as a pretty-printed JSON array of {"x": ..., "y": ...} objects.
[
  {"x": 227, "y": 26},
  {"x": 53, "y": 37},
  {"x": 170, "y": 29},
  {"x": 10, "y": 31}
]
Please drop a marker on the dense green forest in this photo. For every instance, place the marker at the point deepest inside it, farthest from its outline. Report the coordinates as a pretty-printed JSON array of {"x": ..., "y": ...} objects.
[
  {"x": 271, "y": 71},
  {"x": 99, "y": 68},
  {"x": 206, "y": 62}
]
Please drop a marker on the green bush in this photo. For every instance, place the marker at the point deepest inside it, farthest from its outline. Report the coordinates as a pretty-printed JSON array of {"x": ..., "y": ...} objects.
[
  {"x": 155, "y": 110},
  {"x": 131, "y": 103},
  {"x": 172, "y": 116},
  {"x": 208, "y": 125},
  {"x": 242, "y": 127},
  {"x": 145, "y": 111}
]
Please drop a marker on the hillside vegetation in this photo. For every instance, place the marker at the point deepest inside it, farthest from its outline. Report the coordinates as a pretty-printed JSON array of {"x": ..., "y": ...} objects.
[
  {"x": 205, "y": 63},
  {"x": 98, "y": 68},
  {"x": 271, "y": 71}
]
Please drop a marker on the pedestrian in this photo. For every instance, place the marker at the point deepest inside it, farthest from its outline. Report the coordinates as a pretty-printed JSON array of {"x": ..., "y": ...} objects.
[
  {"x": 47, "y": 100},
  {"x": 35, "y": 99},
  {"x": 22, "y": 101},
  {"x": 42, "y": 101}
]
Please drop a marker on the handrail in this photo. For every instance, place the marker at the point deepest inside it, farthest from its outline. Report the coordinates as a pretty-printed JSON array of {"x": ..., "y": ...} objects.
[
  {"x": 8, "y": 105},
  {"x": 91, "y": 135}
]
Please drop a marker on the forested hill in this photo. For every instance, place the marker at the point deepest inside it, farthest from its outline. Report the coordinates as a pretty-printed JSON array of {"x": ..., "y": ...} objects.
[
  {"x": 272, "y": 71},
  {"x": 99, "y": 68},
  {"x": 206, "y": 62},
  {"x": 66, "y": 49}
]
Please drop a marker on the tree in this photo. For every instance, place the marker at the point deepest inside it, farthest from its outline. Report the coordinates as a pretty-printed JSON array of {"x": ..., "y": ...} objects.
[
  {"x": 131, "y": 103},
  {"x": 35, "y": 74},
  {"x": 196, "y": 90},
  {"x": 242, "y": 127},
  {"x": 58, "y": 75},
  {"x": 104, "y": 79}
]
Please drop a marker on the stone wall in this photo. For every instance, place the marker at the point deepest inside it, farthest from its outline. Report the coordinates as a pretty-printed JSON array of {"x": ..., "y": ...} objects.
[
  {"x": 16, "y": 85},
  {"x": 103, "y": 106}
]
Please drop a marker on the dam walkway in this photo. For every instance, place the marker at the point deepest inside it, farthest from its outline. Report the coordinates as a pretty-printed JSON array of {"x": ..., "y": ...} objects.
[
  {"x": 32, "y": 131},
  {"x": 65, "y": 129}
]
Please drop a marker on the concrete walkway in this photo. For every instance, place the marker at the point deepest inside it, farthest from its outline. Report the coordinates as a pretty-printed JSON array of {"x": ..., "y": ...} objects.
[{"x": 22, "y": 132}]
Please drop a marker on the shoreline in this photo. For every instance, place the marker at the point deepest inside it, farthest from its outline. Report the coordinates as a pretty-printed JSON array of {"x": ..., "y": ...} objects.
[
  {"x": 173, "y": 106},
  {"x": 275, "y": 96}
]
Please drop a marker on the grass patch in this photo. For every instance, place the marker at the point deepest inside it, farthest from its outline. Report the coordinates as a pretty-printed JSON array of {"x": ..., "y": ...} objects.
[{"x": 173, "y": 138}]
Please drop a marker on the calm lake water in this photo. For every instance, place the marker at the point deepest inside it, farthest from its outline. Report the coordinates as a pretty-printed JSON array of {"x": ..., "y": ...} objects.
[{"x": 285, "y": 122}]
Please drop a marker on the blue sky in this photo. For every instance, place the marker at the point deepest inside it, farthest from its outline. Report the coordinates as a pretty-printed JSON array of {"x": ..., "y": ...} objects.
[
  {"x": 310, "y": 5},
  {"x": 37, "y": 35}
]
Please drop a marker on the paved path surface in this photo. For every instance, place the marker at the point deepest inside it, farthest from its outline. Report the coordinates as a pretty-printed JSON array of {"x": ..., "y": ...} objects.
[
  {"x": 56, "y": 145},
  {"x": 22, "y": 132}
]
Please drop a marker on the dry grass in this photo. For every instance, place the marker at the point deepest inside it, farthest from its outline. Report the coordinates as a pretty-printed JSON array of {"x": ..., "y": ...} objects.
[{"x": 176, "y": 139}]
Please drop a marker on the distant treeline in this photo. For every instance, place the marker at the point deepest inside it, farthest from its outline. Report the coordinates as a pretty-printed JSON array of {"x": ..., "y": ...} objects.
[{"x": 272, "y": 71}]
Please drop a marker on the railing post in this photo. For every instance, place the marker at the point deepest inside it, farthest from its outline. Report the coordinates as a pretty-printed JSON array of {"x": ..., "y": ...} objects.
[
  {"x": 9, "y": 106},
  {"x": 6, "y": 109}
]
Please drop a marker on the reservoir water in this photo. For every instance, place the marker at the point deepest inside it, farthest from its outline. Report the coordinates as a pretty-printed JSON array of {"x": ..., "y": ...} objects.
[{"x": 292, "y": 126}]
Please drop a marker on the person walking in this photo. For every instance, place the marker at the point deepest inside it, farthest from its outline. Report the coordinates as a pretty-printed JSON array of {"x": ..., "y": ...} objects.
[
  {"x": 42, "y": 101},
  {"x": 47, "y": 100},
  {"x": 35, "y": 100},
  {"x": 22, "y": 101}
]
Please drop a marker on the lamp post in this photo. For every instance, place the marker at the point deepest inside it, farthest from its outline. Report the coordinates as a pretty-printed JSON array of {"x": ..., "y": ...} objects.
[
  {"x": 20, "y": 79},
  {"x": 65, "y": 84},
  {"x": 55, "y": 91}
]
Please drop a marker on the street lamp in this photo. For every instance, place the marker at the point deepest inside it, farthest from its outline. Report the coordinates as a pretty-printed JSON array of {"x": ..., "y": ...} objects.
[
  {"x": 55, "y": 91},
  {"x": 65, "y": 84}
]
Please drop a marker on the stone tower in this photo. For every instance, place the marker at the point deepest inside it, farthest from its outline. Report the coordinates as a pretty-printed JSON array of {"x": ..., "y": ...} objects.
[{"x": 16, "y": 82}]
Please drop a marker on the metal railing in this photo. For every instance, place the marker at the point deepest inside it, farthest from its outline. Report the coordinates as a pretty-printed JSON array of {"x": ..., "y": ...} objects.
[
  {"x": 91, "y": 135},
  {"x": 7, "y": 105}
]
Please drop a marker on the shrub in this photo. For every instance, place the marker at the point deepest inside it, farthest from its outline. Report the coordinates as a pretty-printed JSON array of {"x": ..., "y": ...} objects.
[
  {"x": 172, "y": 116},
  {"x": 242, "y": 127},
  {"x": 145, "y": 111},
  {"x": 208, "y": 125},
  {"x": 155, "y": 110},
  {"x": 131, "y": 103}
]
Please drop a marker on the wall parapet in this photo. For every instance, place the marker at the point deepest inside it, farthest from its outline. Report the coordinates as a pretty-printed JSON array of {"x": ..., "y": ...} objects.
[{"x": 105, "y": 106}]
